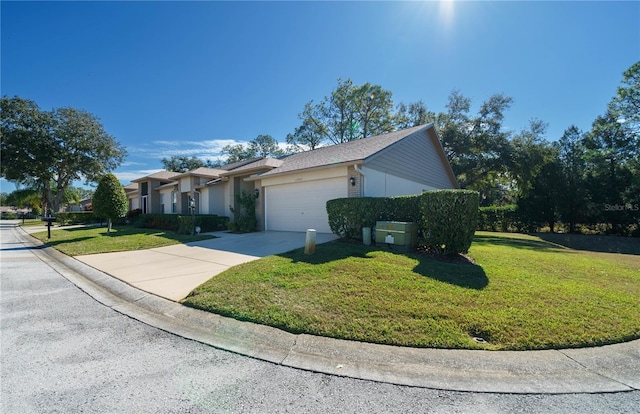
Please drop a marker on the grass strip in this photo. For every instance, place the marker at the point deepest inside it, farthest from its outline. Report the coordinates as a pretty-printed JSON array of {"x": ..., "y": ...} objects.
[
  {"x": 522, "y": 293},
  {"x": 92, "y": 240}
]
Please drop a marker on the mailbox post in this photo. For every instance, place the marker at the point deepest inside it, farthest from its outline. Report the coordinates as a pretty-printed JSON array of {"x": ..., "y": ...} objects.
[{"x": 49, "y": 220}]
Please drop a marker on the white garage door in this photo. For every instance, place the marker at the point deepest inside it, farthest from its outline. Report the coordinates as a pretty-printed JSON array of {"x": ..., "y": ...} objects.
[{"x": 302, "y": 206}]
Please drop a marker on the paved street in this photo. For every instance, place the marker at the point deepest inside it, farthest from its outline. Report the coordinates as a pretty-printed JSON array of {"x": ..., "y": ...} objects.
[{"x": 62, "y": 351}]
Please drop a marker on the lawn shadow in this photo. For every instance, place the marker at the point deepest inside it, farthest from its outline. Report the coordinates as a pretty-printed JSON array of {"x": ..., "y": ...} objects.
[
  {"x": 538, "y": 245},
  {"x": 594, "y": 243},
  {"x": 329, "y": 252},
  {"x": 54, "y": 243},
  {"x": 468, "y": 275}
]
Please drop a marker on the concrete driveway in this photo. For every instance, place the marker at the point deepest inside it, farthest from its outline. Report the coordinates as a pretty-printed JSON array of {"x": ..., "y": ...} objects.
[{"x": 173, "y": 271}]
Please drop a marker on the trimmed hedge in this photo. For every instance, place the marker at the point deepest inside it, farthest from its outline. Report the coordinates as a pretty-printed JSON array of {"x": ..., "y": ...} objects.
[
  {"x": 182, "y": 224},
  {"x": 347, "y": 216},
  {"x": 446, "y": 218},
  {"x": 493, "y": 218},
  {"x": 449, "y": 219},
  {"x": 77, "y": 217}
]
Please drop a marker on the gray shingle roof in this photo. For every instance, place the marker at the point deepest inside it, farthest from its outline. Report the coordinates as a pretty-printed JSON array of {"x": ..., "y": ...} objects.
[
  {"x": 202, "y": 172},
  {"x": 238, "y": 164},
  {"x": 337, "y": 154},
  {"x": 160, "y": 175},
  {"x": 260, "y": 163}
]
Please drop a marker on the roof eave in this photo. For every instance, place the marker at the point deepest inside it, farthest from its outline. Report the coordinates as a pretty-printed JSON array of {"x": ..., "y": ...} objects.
[{"x": 256, "y": 177}]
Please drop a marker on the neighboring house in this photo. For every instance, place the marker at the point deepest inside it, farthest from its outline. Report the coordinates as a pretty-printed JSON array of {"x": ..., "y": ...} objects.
[
  {"x": 292, "y": 191},
  {"x": 148, "y": 197},
  {"x": 404, "y": 162},
  {"x": 131, "y": 190},
  {"x": 84, "y": 205}
]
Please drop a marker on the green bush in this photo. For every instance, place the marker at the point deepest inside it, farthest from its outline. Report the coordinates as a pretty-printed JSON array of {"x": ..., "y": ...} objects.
[
  {"x": 446, "y": 218},
  {"x": 186, "y": 224},
  {"x": 9, "y": 215},
  {"x": 173, "y": 222},
  {"x": 133, "y": 214},
  {"x": 245, "y": 216},
  {"x": 449, "y": 219},
  {"x": 211, "y": 222},
  {"x": 76, "y": 217},
  {"x": 494, "y": 218},
  {"x": 158, "y": 221},
  {"x": 347, "y": 216}
]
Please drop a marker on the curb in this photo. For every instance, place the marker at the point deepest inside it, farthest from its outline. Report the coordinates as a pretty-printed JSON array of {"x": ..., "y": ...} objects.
[{"x": 611, "y": 368}]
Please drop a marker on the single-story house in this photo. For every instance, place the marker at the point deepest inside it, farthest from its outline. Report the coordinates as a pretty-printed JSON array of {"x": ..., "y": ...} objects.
[{"x": 292, "y": 191}]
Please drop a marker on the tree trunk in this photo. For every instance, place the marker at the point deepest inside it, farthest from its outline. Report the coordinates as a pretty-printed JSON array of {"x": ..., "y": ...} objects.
[{"x": 108, "y": 226}]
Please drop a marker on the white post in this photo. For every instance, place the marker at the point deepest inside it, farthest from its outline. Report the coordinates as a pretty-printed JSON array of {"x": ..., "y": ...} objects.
[
  {"x": 310, "y": 242},
  {"x": 366, "y": 236}
]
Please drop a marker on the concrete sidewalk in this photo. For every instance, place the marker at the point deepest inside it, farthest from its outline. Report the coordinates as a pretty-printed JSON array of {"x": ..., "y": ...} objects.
[
  {"x": 612, "y": 368},
  {"x": 173, "y": 271}
]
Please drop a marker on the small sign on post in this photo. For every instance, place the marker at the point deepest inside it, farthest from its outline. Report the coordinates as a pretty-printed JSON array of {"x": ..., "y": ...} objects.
[{"x": 310, "y": 242}]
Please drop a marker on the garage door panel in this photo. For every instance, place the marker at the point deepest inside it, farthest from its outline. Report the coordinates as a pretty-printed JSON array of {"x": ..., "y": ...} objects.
[{"x": 302, "y": 206}]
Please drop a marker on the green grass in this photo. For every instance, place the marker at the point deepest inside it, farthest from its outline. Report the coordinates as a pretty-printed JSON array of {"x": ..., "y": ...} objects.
[
  {"x": 32, "y": 222},
  {"x": 92, "y": 240},
  {"x": 522, "y": 293}
]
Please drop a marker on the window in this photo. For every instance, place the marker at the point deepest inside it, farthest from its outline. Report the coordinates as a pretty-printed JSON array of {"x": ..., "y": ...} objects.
[
  {"x": 174, "y": 202},
  {"x": 162, "y": 203}
]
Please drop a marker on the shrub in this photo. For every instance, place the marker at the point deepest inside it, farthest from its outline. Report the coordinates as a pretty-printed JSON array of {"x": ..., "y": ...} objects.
[
  {"x": 494, "y": 218},
  {"x": 245, "y": 216},
  {"x": 207, "y": 222},
  {"x": 9, "y": 215},
  {"x": 158, "y": 221},
  {"x": 449, "y": 219},
  {"x": 133, "y": 214},
  {"x": 347, "y": 216},
  {"x": 110, "y": 200},
  {"x": 76, "y": 217}
]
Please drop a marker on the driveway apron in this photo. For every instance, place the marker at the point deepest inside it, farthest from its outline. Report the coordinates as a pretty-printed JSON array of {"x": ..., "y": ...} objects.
[{"x": 173, "y": 271}]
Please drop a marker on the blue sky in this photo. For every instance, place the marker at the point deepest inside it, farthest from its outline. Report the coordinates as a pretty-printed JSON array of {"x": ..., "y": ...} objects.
[{"x": 186, "y": 78}]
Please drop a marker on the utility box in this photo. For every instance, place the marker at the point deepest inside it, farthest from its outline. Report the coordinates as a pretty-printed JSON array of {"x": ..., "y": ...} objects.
[{"x": 397, "y": 233}]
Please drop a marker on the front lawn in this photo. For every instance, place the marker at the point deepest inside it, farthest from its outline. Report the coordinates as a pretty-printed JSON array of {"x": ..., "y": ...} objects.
[
  {"x": 522, "y": 293},
  {"x": 91, "y": 240}
]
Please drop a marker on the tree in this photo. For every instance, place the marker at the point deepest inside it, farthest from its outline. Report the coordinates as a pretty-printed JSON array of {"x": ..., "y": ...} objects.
[
  {"x": 310, "y": 134},
  {"x": 110, "y": 200},
  {"x": 530, "y": 152},
  {"x": 626, "y": 104},
  {"x": 611, "y": 172},
  {"x": 261, "y": 146},
  {"x": 25, "y": 198},
  {"x": 413, "y": 115},
  {"x": 540, "y": 203},
  {"x": 28, "y": 146},
  {"x": 350, "y": 112},
  {"x": 181, "y": 163},
  {"x": 477, "y": 148},
  {"x": 265, "y": 146},
  {"x": 50, "y": 150},
  {"x": 573, "y": 195},
  {"x": 374, "y": 107}
]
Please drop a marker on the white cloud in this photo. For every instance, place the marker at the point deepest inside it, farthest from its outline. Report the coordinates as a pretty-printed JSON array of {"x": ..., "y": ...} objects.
[{"x": 207, "y": 149}]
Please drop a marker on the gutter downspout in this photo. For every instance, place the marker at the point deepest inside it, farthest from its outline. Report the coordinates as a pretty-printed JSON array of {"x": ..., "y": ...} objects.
[{"x": 359, "y": 171}]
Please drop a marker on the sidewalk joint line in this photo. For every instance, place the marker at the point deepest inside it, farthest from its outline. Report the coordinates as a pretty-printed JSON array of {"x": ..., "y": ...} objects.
[{"x": 586, "y": 368}]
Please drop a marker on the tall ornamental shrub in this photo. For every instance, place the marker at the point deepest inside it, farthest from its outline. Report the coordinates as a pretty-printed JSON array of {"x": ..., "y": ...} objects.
[
  {"x": 449, "y": 219},
  {"x": 110, "y": 201}
]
